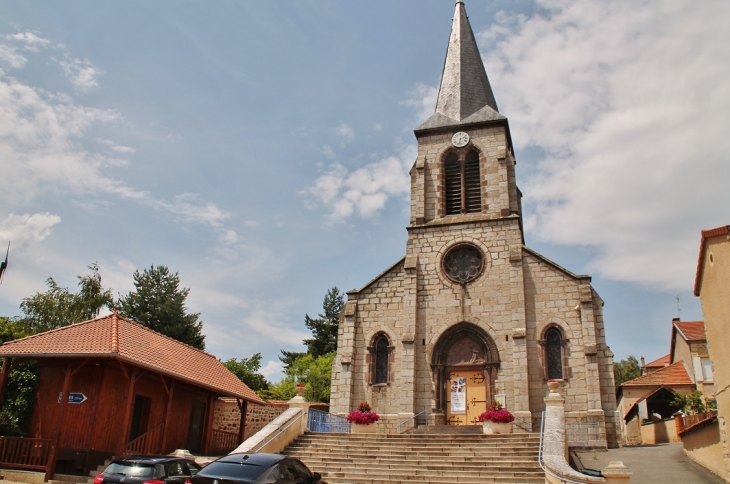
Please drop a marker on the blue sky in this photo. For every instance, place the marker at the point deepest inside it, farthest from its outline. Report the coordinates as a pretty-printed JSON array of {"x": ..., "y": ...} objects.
[{"x": 262, "y": 149}]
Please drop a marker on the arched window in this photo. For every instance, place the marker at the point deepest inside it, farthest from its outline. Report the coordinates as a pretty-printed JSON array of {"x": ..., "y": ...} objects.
[
  {"x": 462, "y": 189},
  {"x": 554, "y": 354},
  {"x": 380, "y": 355}
]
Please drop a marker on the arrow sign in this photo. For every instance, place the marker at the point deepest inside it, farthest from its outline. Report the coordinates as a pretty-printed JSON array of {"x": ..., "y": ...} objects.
[{"x": 74, "y": 398}]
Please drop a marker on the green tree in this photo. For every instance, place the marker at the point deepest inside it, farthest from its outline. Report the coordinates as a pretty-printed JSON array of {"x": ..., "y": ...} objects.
[
  {"x": 626, "y": 370},
  {"x": 159, "y": 303},
  {"x": 58, "y": 307},
  {"x": 314, "y": 372},
  {"x": 690, "y": 403},
  {"x": 288, "y": 357},
  {"x": 324, "y": 328},
  {"x": 19, "y": 397},
  {"x": 247, "y": 370}
]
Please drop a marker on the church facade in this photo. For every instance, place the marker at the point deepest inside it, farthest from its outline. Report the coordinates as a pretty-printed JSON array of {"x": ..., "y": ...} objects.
[{"x": 470, "y": 315}]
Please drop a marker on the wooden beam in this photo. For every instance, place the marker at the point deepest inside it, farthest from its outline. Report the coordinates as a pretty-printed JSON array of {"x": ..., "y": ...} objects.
[
  {"x": 4, "y": 377},
  {"x": 124, "y": 431},
  {"x": 51, "y": 465},
  {"x": 243, "y": 407},
  {"x": 208, "y": 423},
  {"x": 168, "y": 412}
]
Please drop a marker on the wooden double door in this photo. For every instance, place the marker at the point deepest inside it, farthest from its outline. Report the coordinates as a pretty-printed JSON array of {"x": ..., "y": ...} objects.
[{"x": 467, "y": 395}]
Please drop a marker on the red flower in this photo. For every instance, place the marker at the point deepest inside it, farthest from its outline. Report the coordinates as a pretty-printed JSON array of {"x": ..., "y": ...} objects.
[{"x": 496, "y": 416}]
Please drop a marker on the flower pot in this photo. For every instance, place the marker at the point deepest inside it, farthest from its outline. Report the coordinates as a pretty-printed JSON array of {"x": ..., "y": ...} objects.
[
  {"x": 491, "y": 428},
  {"x": 363, "y": 429}
]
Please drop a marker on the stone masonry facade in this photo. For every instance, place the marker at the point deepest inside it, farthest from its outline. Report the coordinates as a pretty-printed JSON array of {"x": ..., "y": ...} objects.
[{"x": 494, "y": 323}]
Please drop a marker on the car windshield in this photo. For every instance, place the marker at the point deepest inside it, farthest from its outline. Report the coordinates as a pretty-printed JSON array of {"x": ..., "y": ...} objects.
[
  {"x": 131, "y": 469},
  {"x": 232, "y": 470}
]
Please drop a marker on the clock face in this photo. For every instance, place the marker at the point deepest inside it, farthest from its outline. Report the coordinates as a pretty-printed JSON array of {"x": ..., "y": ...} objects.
[{"x": 460, "y": 139}]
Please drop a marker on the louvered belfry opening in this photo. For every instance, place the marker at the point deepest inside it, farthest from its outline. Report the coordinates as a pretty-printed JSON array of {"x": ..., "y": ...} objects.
[
  {"x": 461, "y": 177},
  {"x": 452, "y": 174}
]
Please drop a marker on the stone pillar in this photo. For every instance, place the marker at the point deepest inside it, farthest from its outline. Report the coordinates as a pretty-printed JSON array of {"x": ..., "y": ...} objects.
[
  {"x": 300, "y": 402},
  {"x": 343, "y": 364},
  {"x": 407, "y": 377},
  {"x": 554, "y": 443},
  {"x": 592, "y": 382},
  {"x": 520, "y": 404},
  {"x": 617, "y": 473}
]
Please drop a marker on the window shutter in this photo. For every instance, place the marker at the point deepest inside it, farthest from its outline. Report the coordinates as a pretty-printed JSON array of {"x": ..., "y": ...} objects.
[
  {"x": 452, "y": 185},
  {"x": 471, "y": 182}
]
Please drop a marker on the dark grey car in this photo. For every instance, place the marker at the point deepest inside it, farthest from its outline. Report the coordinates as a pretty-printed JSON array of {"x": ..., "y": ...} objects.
[
  {"x": 256, "y": 468},
  {"x": 144, "y": 469}
]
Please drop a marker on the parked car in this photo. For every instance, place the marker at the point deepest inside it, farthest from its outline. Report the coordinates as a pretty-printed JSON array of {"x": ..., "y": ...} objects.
[
  {"x": 256, "y": 468},
  {"x": 145, "y": 469}
]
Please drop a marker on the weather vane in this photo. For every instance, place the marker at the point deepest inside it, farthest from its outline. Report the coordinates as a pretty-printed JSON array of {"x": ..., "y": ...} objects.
[{"x": 679, "y": 311}]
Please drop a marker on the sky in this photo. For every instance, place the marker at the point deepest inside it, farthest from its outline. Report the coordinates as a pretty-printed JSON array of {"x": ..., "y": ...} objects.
[{"x": 261, "y": 149}]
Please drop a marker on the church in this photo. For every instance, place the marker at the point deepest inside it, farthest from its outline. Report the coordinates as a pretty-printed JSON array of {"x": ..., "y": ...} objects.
[{"x": 470, "y": 315}]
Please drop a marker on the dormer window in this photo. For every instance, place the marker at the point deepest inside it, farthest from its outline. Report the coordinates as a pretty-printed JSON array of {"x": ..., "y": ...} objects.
[{"x": 462, "y": 190}]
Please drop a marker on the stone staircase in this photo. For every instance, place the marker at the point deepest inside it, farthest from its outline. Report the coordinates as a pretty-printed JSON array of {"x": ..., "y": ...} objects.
[{"x": 427, "y": 457}]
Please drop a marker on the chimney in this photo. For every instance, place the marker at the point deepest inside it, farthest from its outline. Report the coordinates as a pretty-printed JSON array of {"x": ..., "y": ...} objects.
[{"x": 643, "y": 364}]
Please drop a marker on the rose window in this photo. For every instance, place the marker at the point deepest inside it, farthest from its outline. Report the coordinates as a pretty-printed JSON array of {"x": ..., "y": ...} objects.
[{"x": 463, "y": 263}]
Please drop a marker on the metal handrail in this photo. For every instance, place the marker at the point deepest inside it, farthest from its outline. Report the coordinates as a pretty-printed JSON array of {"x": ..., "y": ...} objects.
[
  {"x": 411, "y": 418},
  {"x": 524, "y": 425},
  {"x": 539, "y": 455},
  {"x": 281, "y": 431}
]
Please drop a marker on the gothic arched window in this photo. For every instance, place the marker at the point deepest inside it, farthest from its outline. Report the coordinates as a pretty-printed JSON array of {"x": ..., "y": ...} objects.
[
  {"x": 380, "y": 354},
  {"x": 462, "y": 190},
  {"x": 554, "y": 348}
]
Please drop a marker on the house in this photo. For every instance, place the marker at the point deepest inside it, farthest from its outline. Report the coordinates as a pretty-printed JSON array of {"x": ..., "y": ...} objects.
[
  {"x": 712, "y": 286},
  {"x": 685, "y": 369},
  {"x": 110, "y": 386}
]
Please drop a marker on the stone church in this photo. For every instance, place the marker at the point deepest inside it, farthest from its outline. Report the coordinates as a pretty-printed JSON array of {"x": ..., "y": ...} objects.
[{"x": 471, "y": 315}]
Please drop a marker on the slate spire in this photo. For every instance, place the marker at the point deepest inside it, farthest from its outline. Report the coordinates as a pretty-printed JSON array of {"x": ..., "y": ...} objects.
[{"x": 464, "y": 86}]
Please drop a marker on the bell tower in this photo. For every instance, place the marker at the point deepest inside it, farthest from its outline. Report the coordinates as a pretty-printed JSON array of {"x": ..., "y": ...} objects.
[{"x": 465, "y": 166}]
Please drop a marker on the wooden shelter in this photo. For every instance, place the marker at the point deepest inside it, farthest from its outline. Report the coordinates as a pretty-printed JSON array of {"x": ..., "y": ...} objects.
[{"x": 110, "y": 386}]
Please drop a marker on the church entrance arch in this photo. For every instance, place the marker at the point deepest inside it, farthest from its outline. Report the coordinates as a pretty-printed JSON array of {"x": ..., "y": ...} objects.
[{"x": 464, "y": 364}]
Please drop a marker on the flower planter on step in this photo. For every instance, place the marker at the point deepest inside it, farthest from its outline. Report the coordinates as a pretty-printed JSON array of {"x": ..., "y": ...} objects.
[
  {"x": 363, "y": 429},
  {"x": 492, "y": 428}
]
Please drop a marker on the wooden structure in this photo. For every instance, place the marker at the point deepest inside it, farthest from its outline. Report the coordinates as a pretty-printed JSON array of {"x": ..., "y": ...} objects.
[{"x": 110, "y": 386}]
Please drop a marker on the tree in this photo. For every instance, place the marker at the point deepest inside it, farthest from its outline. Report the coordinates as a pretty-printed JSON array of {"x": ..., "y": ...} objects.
[
  {"x": 159, "y": 304},
  {"x": 314, "y": 372},
  {"x": 57, "y": 307},
  {"x": 289, "y": 357},
  {"x": 691, "y": 403},
  {"x": 19, "y": 397},
  {"x": 247, "y": 370},
  {"x": 324, "y": 328},
  {"x": 626, "y": 370}
]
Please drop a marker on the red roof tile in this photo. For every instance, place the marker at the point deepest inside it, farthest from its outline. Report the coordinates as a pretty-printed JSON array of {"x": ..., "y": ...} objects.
[
  {"x": 117, "y": 337},
  {"x": 659, "y": 363},
  {"x": 672, "y": 375},
  {"x": 706, "y": 234},
  {"x": 691, "y": 330}
]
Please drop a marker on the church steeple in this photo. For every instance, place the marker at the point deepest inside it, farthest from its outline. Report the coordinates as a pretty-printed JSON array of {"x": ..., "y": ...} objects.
[{"x": 465, "y": 94}]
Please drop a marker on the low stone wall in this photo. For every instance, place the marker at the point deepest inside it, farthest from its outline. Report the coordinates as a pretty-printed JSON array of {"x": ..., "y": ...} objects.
[
  {"x": 703, "y": 445},
  {"x": 227, "y": 416},
  {"x": 662, "y": 432}
]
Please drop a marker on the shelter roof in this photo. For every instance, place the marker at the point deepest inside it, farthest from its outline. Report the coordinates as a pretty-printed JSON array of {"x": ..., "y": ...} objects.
[
  {"x": 675, "y": 374},
  {"x": 706, "y": 234},
  {"x": 113, "y": 336}
]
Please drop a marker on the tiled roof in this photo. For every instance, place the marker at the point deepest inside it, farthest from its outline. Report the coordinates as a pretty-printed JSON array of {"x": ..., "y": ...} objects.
[
  {"x": 116, "y": 337},
  {"x": 706, "y": 234},
  {"x": 659, "y": 362},
  {"x": 691, "y": 330},
  {"x": 672, "y": 375}
]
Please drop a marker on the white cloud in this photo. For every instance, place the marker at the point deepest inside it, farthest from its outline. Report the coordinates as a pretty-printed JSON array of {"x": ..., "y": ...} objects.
[
  {"x": 345, "y": 131},
  {"x": 364, "y": 191},
  {"x": 21, "y": 229},
  {"x": 124, "y": 149},
  {"x": 423, "y": 99},
  {"x": 81, "y": 73},
  {"x": 271, "y": 368},
  {"x": 329, "y": 152},
  {"x": 629, "y": 101},
  {"x": 30, "y": 40}
]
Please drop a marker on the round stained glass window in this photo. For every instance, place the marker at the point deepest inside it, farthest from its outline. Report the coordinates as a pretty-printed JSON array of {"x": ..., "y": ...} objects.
[{"x": 463, "y": 263}]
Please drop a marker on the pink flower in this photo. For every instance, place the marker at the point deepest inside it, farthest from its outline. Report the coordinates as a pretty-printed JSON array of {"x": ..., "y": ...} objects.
[{"x": 496, "y": 416}]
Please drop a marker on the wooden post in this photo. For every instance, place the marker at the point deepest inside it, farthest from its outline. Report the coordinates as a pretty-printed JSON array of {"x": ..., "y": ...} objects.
[
  {"x": 243, "y": 407},
  {"x": 208, "y": 423},
  {"x": 124, "y": 433},
  {"x": 51, "y": 465},
  {"x": 168, "y": 411},
  {"x": 4, "y": 378}
]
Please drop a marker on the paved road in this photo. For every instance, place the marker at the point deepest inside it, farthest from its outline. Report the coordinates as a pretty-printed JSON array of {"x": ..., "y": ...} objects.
[{"x": 654, "y": 464}]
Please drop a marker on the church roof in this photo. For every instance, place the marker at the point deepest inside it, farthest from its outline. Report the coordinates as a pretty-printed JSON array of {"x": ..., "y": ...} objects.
[
  {"x": 675, "y": 374},
  {"x": 113, "y": 336},
  {"x": 465, "y": 95}
]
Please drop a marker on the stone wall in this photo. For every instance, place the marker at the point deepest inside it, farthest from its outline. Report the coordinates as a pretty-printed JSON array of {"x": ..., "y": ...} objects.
[{"x": 227, "y": 416}]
